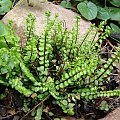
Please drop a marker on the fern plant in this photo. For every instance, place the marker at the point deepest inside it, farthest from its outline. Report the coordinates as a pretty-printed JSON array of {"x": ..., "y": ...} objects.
[{"x": 59, "y": 63}]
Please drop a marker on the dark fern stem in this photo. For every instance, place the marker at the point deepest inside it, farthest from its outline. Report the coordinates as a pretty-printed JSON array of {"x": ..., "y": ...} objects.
[
  {"x": 103, "y": 72},
  {"x": 94, "y": 39},
  {"x": 61, "y": 44},
  {"x": 6, "y": 42},
  {"x": 37, "y": 46},
  {"x": 31, "y": 55},
  {"x": 77, "y": 25},
  {"x": 70, "y": 55},
  {"x": 107, "y": 67},
  {"x": 45, "y": 48},
  {"x": 31, "y": 29},
  {"x": 85, "y": 37}
]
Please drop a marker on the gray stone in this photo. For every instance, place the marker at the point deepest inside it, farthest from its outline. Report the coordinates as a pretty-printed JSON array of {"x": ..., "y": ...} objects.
[
  {"x": 114, "y": 115},
  {"x": 19, "y": 13},
  {"x": 16, "y": 117},
  {"x": 3, "y": 111}
]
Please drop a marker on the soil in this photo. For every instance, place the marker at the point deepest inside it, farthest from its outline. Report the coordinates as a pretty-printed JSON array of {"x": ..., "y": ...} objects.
[{"x": 11, "y": 105}]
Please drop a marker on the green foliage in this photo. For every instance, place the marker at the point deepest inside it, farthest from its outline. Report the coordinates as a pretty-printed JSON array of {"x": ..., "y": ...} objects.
[
  {"x": 5, "y": 6},
  {"x": 114, "y": 13},
  {"x": 66, "y": 4},
  {"x": 3, "y": 29},
  {"x": 39, "y": 113},
  {"x": 88, "y": 10},
  {"x": 3, "y": 32},
  {"x": 115, "y": 36},
  {"x": 115, "y": 28},
  {"x": 100, "y": 9},
  {"x": 103, "y": 13},
  {"x": 58, "y": 63},
  {"x": 115, "y": 3},
  {"x": 104, "y": 106},
  {"x": 2, "y": 96}
]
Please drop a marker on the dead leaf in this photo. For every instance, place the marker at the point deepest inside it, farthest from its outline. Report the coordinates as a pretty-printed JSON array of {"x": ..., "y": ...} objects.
[{"x": 11, "y": 111}]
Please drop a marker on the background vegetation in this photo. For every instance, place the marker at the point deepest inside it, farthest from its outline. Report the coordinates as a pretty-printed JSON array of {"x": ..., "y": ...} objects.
[{"x": 97, "y": 9}]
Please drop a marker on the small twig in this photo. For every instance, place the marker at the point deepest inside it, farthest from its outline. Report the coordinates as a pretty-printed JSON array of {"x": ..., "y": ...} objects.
[
  {"x": 9, "y": 116},
  {"x": 114, "y": 74},
  {"x": 111, "y": 45},
  {"x": 90, "y": 114},
  {"x": 76, "y": 111},
  {"x": 35, "y": 107},
  {"x": 5, "y": 106},
  {"x": 48, "y": 116},
  {"x": 105, "y": 53}
]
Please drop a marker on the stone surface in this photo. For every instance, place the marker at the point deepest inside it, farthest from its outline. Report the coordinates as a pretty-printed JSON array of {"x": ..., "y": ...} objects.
[
  {"x": 19, "y": 13},
  {"x": 114, "y": 115}
]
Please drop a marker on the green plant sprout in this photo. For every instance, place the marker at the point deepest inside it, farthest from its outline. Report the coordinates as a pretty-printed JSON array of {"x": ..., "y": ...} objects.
[
  {"x": 58, "y": 63},
  {"x": 30, "y": 1},
  {"x": 104, "y": 105}
]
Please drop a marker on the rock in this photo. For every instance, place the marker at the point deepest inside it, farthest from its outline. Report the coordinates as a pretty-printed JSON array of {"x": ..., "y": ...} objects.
[
  {"x": 3, "y": 111},
  {"x": 0, "y": 117},
  {"x": 16, "y": 117},
  {"x": 114, "y": 115},
  {"x": 19, "y": 13}
]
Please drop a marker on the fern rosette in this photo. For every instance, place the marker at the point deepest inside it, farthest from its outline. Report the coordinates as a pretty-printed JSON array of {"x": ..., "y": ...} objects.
[{"x": 59, "y": 63}]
